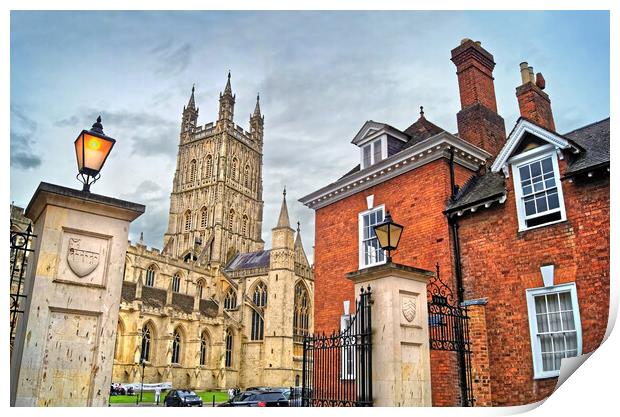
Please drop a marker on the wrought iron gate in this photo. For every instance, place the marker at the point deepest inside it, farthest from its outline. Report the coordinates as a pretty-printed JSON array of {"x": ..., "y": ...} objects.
[
  {"x": 337, "y": 368},
  {"x": 20, "y": 245},
  {"x": 448, "y": 325}
]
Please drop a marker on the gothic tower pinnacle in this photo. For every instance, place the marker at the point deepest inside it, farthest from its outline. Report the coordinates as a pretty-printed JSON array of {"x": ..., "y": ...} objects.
[
  {"x": 190, "y": 115},
  {"x": 256, "y": 122},
  {"x": 227, "y": 103}
]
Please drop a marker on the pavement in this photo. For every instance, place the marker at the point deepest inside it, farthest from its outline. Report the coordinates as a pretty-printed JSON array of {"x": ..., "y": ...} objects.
[{"x": 206, "y": 404}]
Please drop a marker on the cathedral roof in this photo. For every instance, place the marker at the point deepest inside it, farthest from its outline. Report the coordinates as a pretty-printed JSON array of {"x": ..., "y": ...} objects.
[{"x": 250, "y": 260}]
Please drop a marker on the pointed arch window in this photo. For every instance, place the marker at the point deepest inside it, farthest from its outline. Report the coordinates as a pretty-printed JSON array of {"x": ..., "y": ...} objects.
[
  {"x": 301, "y": 313},
  {"x": 209, "y": 166},
  {"x": 246, "y": 176},
  {"x": 176, "y": 282},
  {"x": 118, "y": 348},
  {"x": 259, "y": 297},
  {"x": 231, "y": 219},
  {"x": 204, "y": 343},
  {"x": 203, "y": 217},
  {"x": 233, "y": 170},
  {"x": 176, "y": 347},
  {"x": 200, "y": 285},
  {"x": 230, "y": 300},
  {"x": 229, "y": 348},
  {"x": 245, "y": 224},
  {"x": 192, "y": 171},
  {"x": 145, "y": 348},
  {"x": 187, "y": 219},
  {"x": 150, "y": 276}
]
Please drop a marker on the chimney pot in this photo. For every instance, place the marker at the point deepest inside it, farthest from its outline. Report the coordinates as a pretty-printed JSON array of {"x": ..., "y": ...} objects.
[
  {"x": 531, "y": 72},
  {"x": 540, "y": 81},
  {"x": 464, "y": 40},
  {"x": 525, "y": 74}
]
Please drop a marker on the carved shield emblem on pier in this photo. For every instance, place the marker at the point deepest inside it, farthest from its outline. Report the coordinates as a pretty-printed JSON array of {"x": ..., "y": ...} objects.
[
  {"x": 409, "y": 308},
  {"x": 82, "y": 262}
]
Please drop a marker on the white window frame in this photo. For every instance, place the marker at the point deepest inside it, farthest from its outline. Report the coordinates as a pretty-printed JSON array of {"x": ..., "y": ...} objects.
[
  {"x": 526, "y": 158},
  {"x": 361, "y": 215},
  {"x": 383, "y": 141},
  {"x": 347, "y": 373},
  {"x": 530, "y": 294}
]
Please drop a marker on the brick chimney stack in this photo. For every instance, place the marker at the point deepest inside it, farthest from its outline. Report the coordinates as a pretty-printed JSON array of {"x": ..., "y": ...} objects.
[
  {"x": 534, "y": 103},
  {"x": 478, "y": 121}
]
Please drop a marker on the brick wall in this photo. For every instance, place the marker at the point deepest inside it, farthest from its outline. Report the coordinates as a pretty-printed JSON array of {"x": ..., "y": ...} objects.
[
  {"x": 479, "y": 345},
  {"x": 415, "y": 200},
  {"x": 535, "y": 105},
  {"x": 500, "y": 263}
]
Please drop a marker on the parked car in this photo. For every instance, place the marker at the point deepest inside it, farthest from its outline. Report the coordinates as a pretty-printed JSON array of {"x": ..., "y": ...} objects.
[
  {"x": 293, "y": 395},
  {"x": 182, "y": 398},
  {"x": 258, "y": 398}
]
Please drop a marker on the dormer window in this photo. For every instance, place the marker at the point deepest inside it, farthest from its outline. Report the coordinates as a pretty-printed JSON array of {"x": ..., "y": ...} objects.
[
  {"x": 374, "y": 152},
  {"x": 538, "y": 190}
]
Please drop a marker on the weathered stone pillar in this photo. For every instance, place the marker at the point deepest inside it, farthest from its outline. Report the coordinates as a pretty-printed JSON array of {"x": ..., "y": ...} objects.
[
  {"x": 64, "y": 348},
  {"x": 401, "y": 373},
  {"x": 480, "y": 365}
]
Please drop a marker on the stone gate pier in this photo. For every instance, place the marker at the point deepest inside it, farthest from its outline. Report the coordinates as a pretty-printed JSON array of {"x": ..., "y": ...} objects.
[
  {"x": 64, "y": 345},
  {"x": 401, "y": 373}
]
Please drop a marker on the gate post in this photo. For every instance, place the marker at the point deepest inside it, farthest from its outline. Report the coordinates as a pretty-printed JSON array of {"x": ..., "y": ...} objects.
[
  {"x": 401, "y": 374},
  {"x": 64, "y": 346}
]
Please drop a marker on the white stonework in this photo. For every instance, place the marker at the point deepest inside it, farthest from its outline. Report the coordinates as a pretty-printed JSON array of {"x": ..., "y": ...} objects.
[
  {"x": 64, "y": 344},
  {"x": 213, "y": 246},
  {"x": 401, "y": 374}
]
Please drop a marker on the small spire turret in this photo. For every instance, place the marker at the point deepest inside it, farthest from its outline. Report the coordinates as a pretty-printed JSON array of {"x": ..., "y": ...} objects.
[
  {"x": 227, "y": 103},
  {"x": 283, "y": 219}
]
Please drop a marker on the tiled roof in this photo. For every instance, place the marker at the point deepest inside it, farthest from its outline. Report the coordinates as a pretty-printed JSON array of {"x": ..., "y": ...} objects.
[
  {"x": 250, "y": 260},
  {"x": 594, "y": 138},
  {"x": 153, "y": 297},
  {"x": 420, "y": 130},
  {"x": 478, "y": 188},
  {"x": 128, "y": 291},
  {"x": 208, "y": 308},
  {"x": 183, "y": 302}
]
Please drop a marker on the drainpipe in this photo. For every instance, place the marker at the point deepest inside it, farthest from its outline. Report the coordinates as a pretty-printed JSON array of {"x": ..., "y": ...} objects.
[{"x": 452, "y": 221}]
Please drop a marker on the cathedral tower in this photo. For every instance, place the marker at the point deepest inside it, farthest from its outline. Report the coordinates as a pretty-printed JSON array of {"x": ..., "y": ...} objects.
[{"x": 216, "y": 205}]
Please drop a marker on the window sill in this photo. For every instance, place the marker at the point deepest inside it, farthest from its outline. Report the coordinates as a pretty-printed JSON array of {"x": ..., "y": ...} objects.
[
  {"x": 371, "y": 265},
  {"x": 548, "y": 375},
  {"x": 541, "y": 225}
]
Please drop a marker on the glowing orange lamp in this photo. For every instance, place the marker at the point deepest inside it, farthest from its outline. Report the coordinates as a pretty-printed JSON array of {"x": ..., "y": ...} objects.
[{"x": 92, "y": 148}]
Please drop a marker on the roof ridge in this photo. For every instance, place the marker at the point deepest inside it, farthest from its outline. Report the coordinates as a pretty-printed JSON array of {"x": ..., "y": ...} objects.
[{"x": 586, "y": 126}]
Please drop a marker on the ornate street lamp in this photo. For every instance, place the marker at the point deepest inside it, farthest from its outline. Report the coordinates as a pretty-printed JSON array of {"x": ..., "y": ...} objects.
[
  {"x": 92, "y": 148},
  {"x": 143, "y": 363},
  {"x": 388, "y": 233}
]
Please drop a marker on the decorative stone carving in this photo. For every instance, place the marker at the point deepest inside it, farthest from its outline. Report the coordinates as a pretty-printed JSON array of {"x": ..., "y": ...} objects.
[
  {"x": 409, "y": 308},
  {"x": 82, "y": 262}
]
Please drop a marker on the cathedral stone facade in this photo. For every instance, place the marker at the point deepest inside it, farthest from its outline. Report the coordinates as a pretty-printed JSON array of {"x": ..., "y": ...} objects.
[{"x": 214, "y": 309}]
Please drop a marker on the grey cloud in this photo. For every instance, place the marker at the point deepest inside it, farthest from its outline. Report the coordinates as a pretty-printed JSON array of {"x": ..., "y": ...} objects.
[
  {"x": 148, "y": 133},
  {"x": 171, "y": 59},
  {"x": 23, "y": 130},
  {"x": 154, "y": 221}
]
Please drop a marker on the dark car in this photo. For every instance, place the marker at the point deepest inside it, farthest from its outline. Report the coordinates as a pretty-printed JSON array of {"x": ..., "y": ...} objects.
[
  {"x": 182, "y": 398},
  {"x": 257, "y": 399}
]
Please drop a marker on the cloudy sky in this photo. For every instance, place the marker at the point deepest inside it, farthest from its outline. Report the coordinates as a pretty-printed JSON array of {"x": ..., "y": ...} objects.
[{"x": 321, "y": 75}]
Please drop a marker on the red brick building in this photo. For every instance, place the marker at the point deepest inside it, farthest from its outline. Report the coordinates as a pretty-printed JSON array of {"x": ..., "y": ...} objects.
[{"x": 518, "y": 224}]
